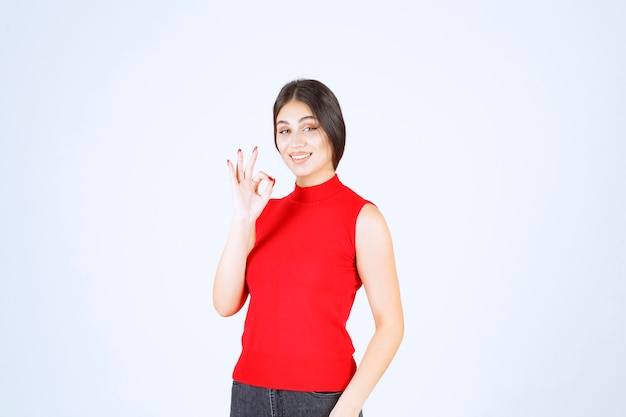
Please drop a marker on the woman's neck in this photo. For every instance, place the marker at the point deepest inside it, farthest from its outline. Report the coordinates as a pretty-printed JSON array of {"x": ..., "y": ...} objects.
[{"x": 316, "y": 179}]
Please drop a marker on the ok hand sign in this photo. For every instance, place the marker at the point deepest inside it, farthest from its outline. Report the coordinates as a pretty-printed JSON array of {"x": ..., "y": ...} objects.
[{"x": 248, "y": 203}]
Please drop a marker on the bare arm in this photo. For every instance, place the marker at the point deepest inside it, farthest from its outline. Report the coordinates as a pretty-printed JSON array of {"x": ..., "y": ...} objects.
[
  {"x": 229, "y": 287},
  {"x": 376, "y": 266}
]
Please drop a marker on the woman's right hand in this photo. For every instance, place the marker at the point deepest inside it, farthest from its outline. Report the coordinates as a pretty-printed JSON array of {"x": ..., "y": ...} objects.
[{"x": 248, "y": 203}]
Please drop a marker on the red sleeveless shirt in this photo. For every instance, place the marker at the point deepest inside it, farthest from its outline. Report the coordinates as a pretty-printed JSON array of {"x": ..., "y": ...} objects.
[{"x": 302, "y": 279}]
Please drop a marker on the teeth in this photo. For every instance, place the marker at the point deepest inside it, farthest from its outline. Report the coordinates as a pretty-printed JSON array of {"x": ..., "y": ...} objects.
[{"x": 300, "y": 157}]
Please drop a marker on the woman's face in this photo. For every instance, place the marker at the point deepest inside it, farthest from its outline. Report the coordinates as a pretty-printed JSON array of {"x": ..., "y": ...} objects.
[{"x": 303, "y": 144}]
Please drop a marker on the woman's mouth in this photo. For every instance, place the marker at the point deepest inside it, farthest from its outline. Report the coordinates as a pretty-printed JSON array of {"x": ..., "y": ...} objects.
[{"x": 299, "y": 158}]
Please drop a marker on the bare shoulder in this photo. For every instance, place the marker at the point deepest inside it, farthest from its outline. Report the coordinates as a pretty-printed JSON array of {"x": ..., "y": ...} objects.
[
  {"x": 371, "y": 223},
  {"x": 374, "y": 255}
]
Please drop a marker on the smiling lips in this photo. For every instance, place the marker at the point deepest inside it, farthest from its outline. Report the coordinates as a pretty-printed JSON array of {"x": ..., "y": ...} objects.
[{"x": 300, "y": 158}]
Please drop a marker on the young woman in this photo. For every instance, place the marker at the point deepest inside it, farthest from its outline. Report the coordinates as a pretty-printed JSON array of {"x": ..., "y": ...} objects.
[{"x": 301, "y": 260}]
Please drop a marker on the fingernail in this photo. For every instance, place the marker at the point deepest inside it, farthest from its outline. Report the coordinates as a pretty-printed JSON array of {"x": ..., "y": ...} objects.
[
  {"x": 271, "y": 179},
  {"x": 255, "y": 148},
  {"x": 238, "y": 150},
  {"x": 228, "y": 162}
]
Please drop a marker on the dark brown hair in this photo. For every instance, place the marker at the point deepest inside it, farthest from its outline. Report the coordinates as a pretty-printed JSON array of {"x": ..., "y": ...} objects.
[{"x": 325, "y": 108}]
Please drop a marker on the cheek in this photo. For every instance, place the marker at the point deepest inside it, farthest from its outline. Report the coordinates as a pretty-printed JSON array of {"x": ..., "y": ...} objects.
[
  {"x": 325, "y": 145},
  {"x": 281, "y": 145}
]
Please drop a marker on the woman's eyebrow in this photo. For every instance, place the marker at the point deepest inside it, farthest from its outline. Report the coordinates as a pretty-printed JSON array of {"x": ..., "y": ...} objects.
[
  {"x": 299, "y": 121},
  {"x": 305, "y": 118}
]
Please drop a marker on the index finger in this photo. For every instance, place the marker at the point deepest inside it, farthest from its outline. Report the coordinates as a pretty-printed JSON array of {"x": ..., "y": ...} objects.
[{"x": 250, "y": 165}]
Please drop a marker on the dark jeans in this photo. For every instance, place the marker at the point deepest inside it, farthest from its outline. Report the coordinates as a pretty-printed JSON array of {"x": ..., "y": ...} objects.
[{"x": 249, "y": 401}]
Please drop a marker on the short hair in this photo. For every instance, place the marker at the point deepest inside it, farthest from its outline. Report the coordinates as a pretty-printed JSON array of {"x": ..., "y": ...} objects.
[{"x": 325, "y": 108}]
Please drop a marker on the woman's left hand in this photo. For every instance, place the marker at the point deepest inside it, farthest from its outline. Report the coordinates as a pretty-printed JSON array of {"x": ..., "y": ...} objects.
[{"x": 341, "y": 411}]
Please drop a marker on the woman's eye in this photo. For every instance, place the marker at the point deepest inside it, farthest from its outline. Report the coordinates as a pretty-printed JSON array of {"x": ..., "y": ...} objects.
[
  {"x": 309, "y": 129},
  {"x": 284, "y": 131}
]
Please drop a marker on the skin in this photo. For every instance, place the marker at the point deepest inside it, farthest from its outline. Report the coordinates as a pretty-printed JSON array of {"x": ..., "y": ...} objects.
[{"x": 304, "y": 147}]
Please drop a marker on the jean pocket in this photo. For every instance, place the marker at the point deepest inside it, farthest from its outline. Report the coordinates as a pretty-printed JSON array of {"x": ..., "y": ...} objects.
[{"x": 326, "y": 394}]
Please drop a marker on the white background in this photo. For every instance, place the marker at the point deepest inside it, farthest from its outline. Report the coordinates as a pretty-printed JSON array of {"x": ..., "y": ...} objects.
[{"x": 492, "y": 135}]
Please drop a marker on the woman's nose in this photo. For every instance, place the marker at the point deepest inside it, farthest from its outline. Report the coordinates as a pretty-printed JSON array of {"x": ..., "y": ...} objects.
[{"x": 298, "y": 140}]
